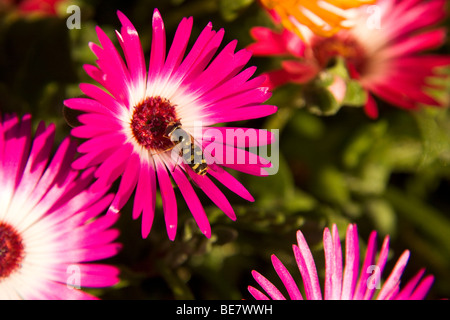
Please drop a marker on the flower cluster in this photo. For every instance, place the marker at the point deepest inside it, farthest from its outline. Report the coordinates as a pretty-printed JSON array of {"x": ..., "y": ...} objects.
[
  {"x": 146, "y": 129},
  {"x": 128, "y": 136},
  {"x": 343, "y": 283},
  {"x": 384, "y": 43}
]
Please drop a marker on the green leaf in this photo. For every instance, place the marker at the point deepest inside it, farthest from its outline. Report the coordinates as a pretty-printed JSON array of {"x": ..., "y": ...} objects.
[
  {"x": 382, "y": 215},
  {"x": 338, "y": 69},
  {"x": 425, "y": 218},
  {"x": 434, "y": 127},
  {"x": 231, "y": 9},
  {"x": 331, "y": 185},
  {"x": 180, "y": 289},
  {"x": 300, "y": 201},
  {"x": 355, "y": 95},
  {"x": 361, "y": 143},
  {"x": 307, "y": 125},
  {"x": 271, "y": 187}
]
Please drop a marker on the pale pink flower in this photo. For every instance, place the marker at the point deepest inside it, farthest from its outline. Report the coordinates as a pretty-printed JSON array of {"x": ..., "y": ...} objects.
[
  {"x": 51, "y": 231},
  {"x": 348, "y": 282}
]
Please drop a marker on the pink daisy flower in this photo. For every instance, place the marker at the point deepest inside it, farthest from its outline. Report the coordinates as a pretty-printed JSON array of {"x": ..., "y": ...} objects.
[
  {"x": 348, "y": 283},
  {"x": 50, "y": 227},
  {"x": 383, "y": 51},
  {"x": 127, "y": 126}
]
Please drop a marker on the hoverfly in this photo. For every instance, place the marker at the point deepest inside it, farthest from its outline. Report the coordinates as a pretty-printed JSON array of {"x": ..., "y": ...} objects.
[{"x": 191, "y": 153}]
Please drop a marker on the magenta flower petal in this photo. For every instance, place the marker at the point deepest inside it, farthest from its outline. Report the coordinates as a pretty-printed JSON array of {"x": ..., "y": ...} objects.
[
  {"x": 145, "y": 197},
  {"x": 110, "y": 169},
  {"x": 89, "y": 105},
  {"x": 94, "y": 275},
  {"x": 307, "y": 267},
  {"x": 16, "y": 142},
  {"x": 185, "y": 65},
  {"x": 351, "y": 263},
  {"x": 344, "y": 285},
  {"x": 407, "y": 291},
  {"x": 368, "y": 260},
  {"x": 267, "y": 43},
  {"x": 158, "y": 51},
  {"x": 168, "y": 199},
  {"x": 235, "y": 85},
  {"x": 131, "y": 46},
  {"x": 231, "y": 183},
  {"x": 392, "y": 282},
  {"x": 422, "y": 289},
  {"x": 125, "y": 123},
  {"x": 50, "y": 218},
  {"x": 127, "y": 183},
  {"x": 97, "y": 94},
  {"x": 91, "y": 159},
  {"x": 192, "y": 201},
  {"x": 373, "y": 283},
  {"x": 272, "y": 291},
  {"x": 108, "y": 141},
  {"x": 258, "y": 295},
  {"x": 244, "y": 113},
  {"x": 253, "y": 137},
  {"x": 392, "y": 95},
  {"x": 200, "y": 55},
  {"x": 287, "y": 279},
  {"x": 253, "y": 170},
  {"x": 213, "y": 193},
  {"x": 146, "y": 185},
  {"x": 57, "y": 172},
  {"x": 180, "y": 42},
  {"x": 37, "y": 160},
  {"x": 333, "y": 264},
  {"x": 425, "y": 41}
]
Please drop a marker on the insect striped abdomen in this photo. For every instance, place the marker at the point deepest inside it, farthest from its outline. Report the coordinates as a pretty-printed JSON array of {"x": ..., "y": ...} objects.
[{"x": 191, "y": 153}]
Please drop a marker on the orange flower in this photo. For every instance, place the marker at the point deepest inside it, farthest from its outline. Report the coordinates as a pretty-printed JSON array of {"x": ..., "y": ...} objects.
[{"x": 323, "y": 17}]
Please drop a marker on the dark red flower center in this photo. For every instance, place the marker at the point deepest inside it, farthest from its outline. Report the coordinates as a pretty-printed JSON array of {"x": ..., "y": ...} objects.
[
  {"x": 149, "y": 123},
  {"x": 11, "y": 250},
  {"x": 326, "y": 49}
]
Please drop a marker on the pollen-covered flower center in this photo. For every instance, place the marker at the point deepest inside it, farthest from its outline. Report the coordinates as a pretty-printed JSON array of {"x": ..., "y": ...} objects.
[
  {"x": 149, "y": 123},
  {"x": 11, "y": 250}
]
